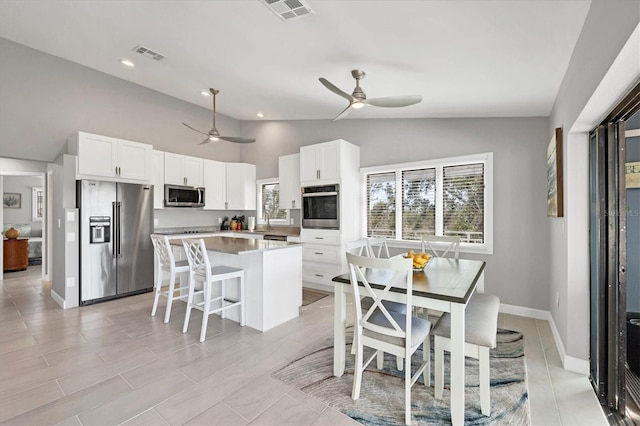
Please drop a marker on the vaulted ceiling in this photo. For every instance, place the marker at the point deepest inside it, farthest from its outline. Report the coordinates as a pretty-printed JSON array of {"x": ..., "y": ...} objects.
[{"x": 467, "y": 58}]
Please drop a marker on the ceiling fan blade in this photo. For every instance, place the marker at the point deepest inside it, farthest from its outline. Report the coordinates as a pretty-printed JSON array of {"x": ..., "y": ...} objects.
[
  {"x": 335, "y": 90},
  {"x": 207, "y": 140},
  {"x": 207, "y": 134},
  {"x": 237, "y": 139},
  {"x": 344, "y": 113},
  {"x": 394, "y": 101}
]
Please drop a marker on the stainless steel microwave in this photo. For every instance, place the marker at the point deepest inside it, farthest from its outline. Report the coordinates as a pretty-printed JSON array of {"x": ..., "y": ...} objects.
[
  {"x": 321, "y": 207},
  {"x": 183, "y": 196}
]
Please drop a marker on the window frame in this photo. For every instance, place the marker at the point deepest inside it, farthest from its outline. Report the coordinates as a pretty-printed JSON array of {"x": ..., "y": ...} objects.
[
  {"x": 259, "y": 213},
  {"x": 486, "y": 158}
]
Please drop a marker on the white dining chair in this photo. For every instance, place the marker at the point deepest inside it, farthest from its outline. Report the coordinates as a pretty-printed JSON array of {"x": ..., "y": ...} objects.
[
  {"x": 386, "y": 331},
  {"x": 480, "y": 335},
  {"x": 165, "y": 262},
  {"x": 366, "y": 247},
  {"x": 440, "y": 246},
  {"x": 202, "y": 271}
]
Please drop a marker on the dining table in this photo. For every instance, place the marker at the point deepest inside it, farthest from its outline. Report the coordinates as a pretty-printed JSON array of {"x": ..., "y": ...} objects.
[{"x": 446, "y": 285}]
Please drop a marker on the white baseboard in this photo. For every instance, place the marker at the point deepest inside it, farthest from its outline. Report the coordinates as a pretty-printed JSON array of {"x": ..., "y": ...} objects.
[
  {"x": 59, "y": 300},
  {"x": 577, "y": 365},
  {"x": 525, "y": 312}
]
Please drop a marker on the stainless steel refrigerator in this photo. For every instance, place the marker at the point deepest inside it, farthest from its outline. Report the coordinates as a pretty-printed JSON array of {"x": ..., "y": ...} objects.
[{"x": 116, "y": 253}]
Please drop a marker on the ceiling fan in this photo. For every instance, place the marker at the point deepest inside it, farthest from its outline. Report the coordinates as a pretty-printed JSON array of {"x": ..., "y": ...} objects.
[
  {"x": 214, "y": 135},
  {"x": 358, "y": 98}
]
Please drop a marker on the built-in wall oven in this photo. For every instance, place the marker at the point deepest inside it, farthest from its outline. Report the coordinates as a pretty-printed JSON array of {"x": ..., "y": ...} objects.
[{"x": 321, "y": 207}]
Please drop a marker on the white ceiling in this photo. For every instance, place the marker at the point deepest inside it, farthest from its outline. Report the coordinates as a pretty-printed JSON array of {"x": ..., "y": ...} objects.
[{"x": 467, "y": 58}]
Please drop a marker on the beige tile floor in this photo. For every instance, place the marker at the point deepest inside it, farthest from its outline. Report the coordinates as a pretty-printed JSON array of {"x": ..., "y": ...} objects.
[{"x": 112, "y": 363}]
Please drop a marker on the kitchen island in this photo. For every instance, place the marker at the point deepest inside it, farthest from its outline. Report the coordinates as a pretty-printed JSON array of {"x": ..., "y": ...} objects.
[{"x": 273, "y": 276}]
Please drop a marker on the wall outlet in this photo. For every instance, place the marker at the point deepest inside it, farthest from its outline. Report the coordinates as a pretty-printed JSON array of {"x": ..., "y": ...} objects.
[
  {"x": 219, "y": 220},
  {"x": 291, "y": 221},
  {"x": 155, "y": 222},
  {"x": 71, "y": 282}
]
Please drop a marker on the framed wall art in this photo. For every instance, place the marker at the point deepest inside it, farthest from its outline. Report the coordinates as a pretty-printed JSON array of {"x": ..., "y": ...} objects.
[
  {"x": 554, "y": 175},
  {"x": 11, "y": 200}
]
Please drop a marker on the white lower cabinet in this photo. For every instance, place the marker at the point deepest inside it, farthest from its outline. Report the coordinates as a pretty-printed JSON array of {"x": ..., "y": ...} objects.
[{"x": 322, "y": 256}]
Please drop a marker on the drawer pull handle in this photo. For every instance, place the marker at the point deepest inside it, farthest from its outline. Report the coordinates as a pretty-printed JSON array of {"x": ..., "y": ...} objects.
[
  {"x": 318, "y": 252},
  {"x": 319, "y": 275}
]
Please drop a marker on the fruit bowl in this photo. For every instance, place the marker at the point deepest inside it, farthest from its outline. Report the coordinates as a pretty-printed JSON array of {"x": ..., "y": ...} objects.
[{"x": 420, "y": 260}]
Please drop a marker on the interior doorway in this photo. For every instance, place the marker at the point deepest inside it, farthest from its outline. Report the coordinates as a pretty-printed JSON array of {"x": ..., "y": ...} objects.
[
  {"x": 25, "y": 208},
  {"x": 615, "y": 257}
]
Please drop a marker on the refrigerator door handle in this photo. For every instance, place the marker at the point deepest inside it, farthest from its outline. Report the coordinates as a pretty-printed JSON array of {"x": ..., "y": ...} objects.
[{"x": 118, "y": 230}]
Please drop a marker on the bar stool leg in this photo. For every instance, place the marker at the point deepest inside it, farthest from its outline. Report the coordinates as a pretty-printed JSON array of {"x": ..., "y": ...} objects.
[
  {"x": 207, "y": 308},
  {"x": 158, "y": 291},
  {"x": 189, "y": 304},
  {"x": 223, "y": 293},
  {"x": 172, "y": 286}
]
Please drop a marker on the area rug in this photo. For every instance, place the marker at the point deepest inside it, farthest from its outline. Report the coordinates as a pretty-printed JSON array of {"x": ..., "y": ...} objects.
[
  {"x": 382, "y": 394},
  {"x": 310, "y": 295}
]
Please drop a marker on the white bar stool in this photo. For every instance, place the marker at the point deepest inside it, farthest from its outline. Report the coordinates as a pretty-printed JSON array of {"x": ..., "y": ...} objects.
[
  {"x": 202, "y": 271},
  {"x": 166, "y": 263}
]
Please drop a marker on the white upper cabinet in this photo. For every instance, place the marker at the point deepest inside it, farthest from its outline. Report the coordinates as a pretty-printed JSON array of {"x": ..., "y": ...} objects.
[
  {"x": 214, "y": 177},
  {"x": 241, "y": 186},
  {"x": 182, "y": 170},
  {"x": 289, "y": 179},
  {"x": 320, "y": 163},
  {"x": 116, "y": 159},
  {"x": 158, "y": 179}
]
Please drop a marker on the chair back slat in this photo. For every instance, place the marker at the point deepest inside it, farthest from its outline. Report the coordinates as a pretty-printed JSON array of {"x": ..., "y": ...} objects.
[
  {"x": 163, "y": 251},
  {"x": 395, "y": 273},
  {"x": 378, "y": 247},
  {"x": 359, "y": 247},
  {"x": 197, "y": 255},
  {"x": 441, "y": 246}
]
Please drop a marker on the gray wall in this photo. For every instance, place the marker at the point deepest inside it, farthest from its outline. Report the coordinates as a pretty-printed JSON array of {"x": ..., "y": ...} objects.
[
  {"x": 45, "y": 99},
  {"x": 608, "y": 26},
  {"x": 518, "y": 270},
  {"x": 22, "y": 185}
]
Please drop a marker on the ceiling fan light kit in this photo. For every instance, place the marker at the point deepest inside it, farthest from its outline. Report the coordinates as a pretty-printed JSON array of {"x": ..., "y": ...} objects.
[
  {"x": 213, "y": 135},
  {"x": 358, "y": 99}
]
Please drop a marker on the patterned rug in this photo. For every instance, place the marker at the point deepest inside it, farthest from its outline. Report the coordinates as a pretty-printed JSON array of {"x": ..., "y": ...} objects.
[
  {"x": 382, "y": 394},
  {"x": 310, "y": 295}
]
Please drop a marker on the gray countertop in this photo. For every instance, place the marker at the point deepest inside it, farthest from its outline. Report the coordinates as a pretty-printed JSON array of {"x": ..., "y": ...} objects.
[
  {"x": 260, "y": 230},
  {"x": 232, "y": 245}
]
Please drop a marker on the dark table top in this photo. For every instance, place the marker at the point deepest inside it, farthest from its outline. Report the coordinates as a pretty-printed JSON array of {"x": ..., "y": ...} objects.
[{"x": 445, "y": 279}]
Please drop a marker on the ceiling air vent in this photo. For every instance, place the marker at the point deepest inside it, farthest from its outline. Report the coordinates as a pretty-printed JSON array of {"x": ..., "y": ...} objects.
[
  {"x": 148, "y": 52},
  {"x": 288, "y": 9}
]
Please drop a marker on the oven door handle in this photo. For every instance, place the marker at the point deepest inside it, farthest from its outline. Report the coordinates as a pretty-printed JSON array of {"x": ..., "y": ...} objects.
[{"x": 318, "y": 194}]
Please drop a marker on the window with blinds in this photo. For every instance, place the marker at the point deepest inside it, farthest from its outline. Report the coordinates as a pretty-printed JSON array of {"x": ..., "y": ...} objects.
[
  {"x": 418, "y": 203},
  {"x": 463, "y": 202},
  {"x": 270, "y": 201},
  {"x": 448, "y": 197},
  {"x": 381, "y": 204}
]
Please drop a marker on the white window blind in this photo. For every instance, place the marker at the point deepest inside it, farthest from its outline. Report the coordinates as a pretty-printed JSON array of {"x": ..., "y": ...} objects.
[
  {"x": 463, "y": 202},
  {"x": 445, "y": 197},
  {"x": 270, "y": 197},
  {"x": 381, "y": 204},
  {"x": 418, "y": 203}
]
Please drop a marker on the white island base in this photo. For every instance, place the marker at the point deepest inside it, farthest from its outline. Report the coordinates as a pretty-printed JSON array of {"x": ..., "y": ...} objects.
[{"x": 273, "y": 285}]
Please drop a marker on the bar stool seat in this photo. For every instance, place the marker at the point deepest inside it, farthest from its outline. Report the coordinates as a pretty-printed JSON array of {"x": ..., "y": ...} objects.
[
  {"x": 480, "y": 331},
  {"x": 166, "y": 263},
  {"x": 201, "y": 271}
]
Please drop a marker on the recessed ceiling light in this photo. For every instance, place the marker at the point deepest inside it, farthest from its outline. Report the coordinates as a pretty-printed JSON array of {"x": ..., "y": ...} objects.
[
  {"x": 127, "y": 62},
  {"x": 261, "y": 115},
  {"x": 205, "y": 93}
]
